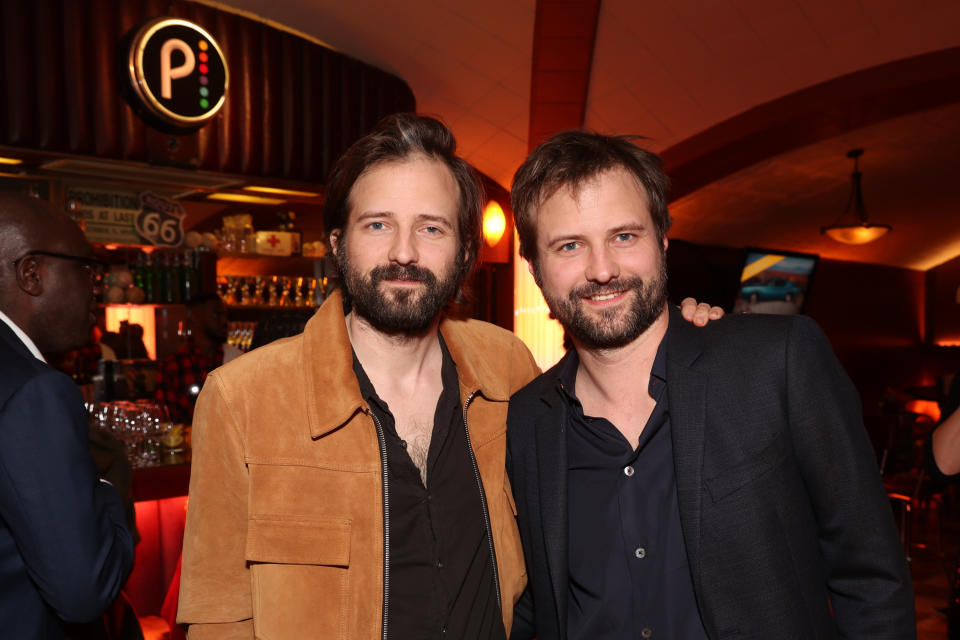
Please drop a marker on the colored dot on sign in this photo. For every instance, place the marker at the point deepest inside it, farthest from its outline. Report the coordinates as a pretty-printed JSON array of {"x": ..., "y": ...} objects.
[
  {"x": 203, "y": 80},
  {"x": 204, "y": 92},
  {"x": 204, "y": 68},
  {"x": 203, "y": 45},
  {"x": 204, "y": 103},
  {"x": 202, "y": 56}
]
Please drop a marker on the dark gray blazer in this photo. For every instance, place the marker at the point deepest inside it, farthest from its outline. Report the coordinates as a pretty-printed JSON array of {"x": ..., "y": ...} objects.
[
  {"x": 788, "y": 530},
  {"x": 65, "y": 550}
]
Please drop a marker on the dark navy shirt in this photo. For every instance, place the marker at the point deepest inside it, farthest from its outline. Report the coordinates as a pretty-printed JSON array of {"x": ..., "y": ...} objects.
[
  {"x": 629, "y": 576},
  {"x": 441, "y": 573}
]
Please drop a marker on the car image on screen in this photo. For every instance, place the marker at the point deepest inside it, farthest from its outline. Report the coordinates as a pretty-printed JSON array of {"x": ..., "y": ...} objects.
[{"x": 773, "y": 289}]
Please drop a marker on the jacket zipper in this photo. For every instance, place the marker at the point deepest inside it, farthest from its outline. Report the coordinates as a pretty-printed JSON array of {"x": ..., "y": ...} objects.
[
  {"x": 381, "y": 439},
  {"x": 483, "y": 503}
]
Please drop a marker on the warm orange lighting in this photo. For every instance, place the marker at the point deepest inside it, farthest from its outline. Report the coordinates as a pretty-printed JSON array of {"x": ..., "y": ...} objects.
[
  {"x": 531, "y": 316},
  {"x": 280, "y": 192},
  {"x": 856, "y": 233},
  {"x": 242, "y": 197},
  {"x": 927, "y": 408},
  {"x": 142, "y": 315},
  {"x": 10, "y": 160},
  {"x": 494, "y": 223}
]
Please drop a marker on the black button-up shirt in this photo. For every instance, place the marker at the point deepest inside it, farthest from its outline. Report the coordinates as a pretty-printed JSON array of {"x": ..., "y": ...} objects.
[
  {"x": 441, "y": 573},
  {"x": 629, "y": 576}
]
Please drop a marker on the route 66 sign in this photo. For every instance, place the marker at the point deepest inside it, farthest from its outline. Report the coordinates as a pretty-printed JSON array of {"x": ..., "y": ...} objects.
[{"x": 160, "y": 221}]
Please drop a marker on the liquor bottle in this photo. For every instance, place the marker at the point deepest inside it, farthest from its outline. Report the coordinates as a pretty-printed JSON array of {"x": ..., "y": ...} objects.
[
  {"x": 138, "y": 271},
  {"x": 171, "y": 288},
  {"x": 149, "y": 279},
  {"x": 175, "y": 279},
  {"x": 190, "y": 276},
  {"x": 296, "y": 237}
]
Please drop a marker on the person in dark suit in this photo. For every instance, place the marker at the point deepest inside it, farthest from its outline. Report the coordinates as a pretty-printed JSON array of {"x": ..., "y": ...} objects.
[
  {"x": 65, "y": 550},
  {"x": 673, "y": 481}
]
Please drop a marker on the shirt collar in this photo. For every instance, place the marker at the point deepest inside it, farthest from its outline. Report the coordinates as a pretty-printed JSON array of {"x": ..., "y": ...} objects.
[
  {"x": 24, "y": 338},
  {"x": 448, "y": 375},
  {"x": 568, "y": 370}
]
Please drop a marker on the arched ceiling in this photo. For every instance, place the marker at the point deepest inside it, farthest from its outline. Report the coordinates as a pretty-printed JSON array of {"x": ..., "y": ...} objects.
[{"x": 711, "y": 84}]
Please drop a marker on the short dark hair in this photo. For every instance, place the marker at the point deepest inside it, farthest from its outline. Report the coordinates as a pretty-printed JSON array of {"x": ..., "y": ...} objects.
[
  {"x": 571, "y": 158},
  {"x": 397, "y": 138}
]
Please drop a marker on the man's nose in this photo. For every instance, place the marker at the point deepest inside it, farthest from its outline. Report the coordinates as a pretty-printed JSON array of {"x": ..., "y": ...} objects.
[
  {"x": 403, "y": 249},
  {"x": 602, "y": 267}
]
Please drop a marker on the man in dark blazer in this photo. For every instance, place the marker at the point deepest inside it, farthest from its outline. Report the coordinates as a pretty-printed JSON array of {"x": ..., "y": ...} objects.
[
  {"x": 65, "y": 550},
  {"x": 681, "y": 482}
]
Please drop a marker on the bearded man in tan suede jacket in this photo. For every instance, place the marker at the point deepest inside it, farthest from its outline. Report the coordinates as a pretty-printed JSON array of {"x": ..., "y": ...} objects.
[{"x": 349, "y": 482}]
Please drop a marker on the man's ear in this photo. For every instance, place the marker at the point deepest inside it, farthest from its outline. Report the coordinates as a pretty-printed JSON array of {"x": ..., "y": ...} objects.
[
  {"x": 533, "y": 272},
  {"x": 665, "y": 243},
  {"x": 29, "y": 278},
  {"x": 335, "y": 237}
]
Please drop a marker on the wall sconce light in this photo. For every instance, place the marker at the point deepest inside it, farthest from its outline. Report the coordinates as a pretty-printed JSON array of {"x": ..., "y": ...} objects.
[
  {"x": 494, "y": 223},
  {"x": 861, "y": 230}
]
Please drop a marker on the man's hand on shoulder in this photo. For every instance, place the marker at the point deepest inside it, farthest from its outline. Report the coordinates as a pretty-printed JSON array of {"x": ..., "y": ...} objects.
[{"x": 699, "y": 314}]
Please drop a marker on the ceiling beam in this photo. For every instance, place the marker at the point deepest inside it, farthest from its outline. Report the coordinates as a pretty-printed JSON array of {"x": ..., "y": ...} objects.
[
  {"x": 812, "y": 115},
  {"x": 563, "y": 38}
]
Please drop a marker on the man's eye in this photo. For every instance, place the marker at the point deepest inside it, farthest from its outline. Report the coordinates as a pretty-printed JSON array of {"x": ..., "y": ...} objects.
[
  {"x": 432, "y": 230},
  {"x": 569, "y": 246},
  {"x": 376, "y": 226},
  {"x": 624, "y": 237}
]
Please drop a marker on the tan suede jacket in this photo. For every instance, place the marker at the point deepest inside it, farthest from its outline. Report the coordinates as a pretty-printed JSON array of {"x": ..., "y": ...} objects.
[{"x": 285, "y": 527}]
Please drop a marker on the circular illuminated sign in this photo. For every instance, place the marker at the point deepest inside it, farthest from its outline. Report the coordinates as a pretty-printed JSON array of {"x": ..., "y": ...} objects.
[{"x": 177, "y": 72}]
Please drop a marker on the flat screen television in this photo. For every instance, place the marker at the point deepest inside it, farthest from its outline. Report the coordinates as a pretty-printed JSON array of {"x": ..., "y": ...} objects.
[{"x": 774, "y": 281}]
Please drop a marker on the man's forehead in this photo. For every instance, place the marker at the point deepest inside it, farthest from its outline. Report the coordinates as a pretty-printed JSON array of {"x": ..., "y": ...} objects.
[
  {"x": 585, "y": 191},
  {"x": 421, "y": 183}
]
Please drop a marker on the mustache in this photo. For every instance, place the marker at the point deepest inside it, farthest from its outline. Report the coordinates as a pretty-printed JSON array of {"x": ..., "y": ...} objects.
[
  {"x": 588, "y": 289},
  {"x": 410, "y": 273}
]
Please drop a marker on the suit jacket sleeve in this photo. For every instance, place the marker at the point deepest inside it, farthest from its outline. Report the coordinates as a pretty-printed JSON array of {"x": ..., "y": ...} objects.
[
  {"x": 215, "y": 597},
  {"x": 867, "y": 574},
  {"x": 68, "y": 525}
]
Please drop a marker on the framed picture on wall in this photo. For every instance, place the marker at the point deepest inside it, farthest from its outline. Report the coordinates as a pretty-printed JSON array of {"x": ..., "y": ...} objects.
[{"x": 774, "y": 281}]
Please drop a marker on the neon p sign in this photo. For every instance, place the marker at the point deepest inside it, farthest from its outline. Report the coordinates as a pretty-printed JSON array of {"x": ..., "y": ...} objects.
[{"x": 177, "y": 74}]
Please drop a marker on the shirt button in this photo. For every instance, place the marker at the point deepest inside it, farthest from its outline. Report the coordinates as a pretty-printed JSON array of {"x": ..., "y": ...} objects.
[
  {"x": 641, "y": 553},
  {"x": 646, "y": 633},
  {"x": 403, "y": 443},
  {"x": 628, "y": 471},
  {"x": 439, "y": 564}
]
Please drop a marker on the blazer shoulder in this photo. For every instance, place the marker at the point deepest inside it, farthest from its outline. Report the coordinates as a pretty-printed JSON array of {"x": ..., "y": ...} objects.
[
  {"x": 16, "y": 370},
  {"x": 756, "y": 330}
]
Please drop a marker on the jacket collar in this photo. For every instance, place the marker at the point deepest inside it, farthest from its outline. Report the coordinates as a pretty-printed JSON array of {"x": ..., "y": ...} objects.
[
  {"x": 21, "y": 340},
  {"x": 687, "y": 389},
  {"x": 332, "y": 393}
]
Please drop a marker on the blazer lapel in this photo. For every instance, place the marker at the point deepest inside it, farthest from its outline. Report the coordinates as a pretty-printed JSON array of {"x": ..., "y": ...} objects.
[
  {"x": 687, "y": 390},
  {"x": 552, "y": 469}
]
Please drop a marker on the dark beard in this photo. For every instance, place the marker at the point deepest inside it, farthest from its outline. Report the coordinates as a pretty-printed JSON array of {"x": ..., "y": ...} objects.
[
  {"x": 404, "y": 311},
  {"x": 613, "y": 328}
]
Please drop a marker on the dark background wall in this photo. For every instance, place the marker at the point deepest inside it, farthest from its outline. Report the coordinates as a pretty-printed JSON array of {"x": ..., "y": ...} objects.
[{"x": 890, "y": 327}]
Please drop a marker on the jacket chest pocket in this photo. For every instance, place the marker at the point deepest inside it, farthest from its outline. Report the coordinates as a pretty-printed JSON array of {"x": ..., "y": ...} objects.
[{"x": 299, "y": 576}]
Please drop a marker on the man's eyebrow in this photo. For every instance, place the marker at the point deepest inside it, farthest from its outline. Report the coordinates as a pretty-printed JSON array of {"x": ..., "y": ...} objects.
[
  {"x": 439, "y": 220},
  {"x": 633, "y": 227},
  {"x": 366, "y": 215}
]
